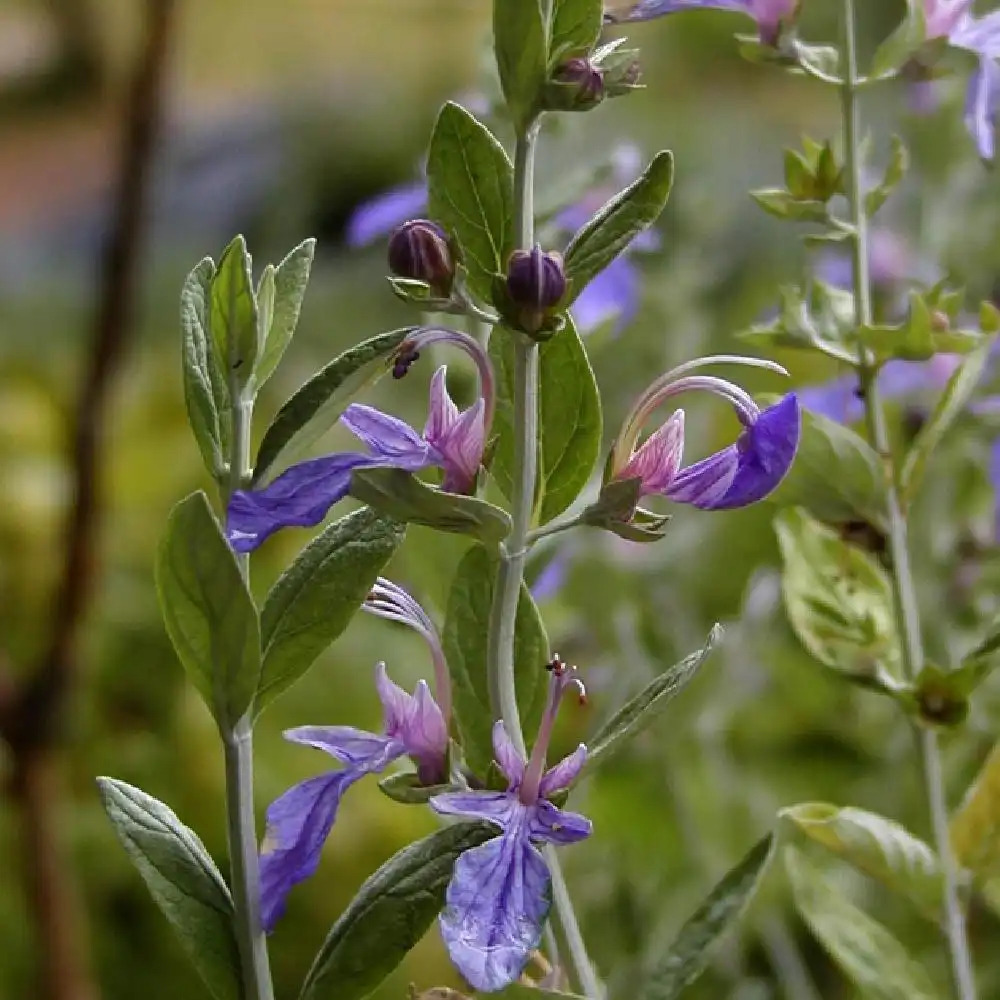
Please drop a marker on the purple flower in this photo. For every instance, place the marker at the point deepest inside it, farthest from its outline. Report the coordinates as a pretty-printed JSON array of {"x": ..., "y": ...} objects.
[
  {"x": 745, "y": 472},
  {"x": 385, "y": 212},
  {"x": 498, "y": 897},
  {"x": 453, "y": 440},
  {"x": 299, "y": 822},
  {"x": 771, "y": 15}
]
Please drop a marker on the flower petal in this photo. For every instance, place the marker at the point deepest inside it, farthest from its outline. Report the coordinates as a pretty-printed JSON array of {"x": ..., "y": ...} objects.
[
  {"x": 563, "y": 774},
  {"x": 658, "y": 458},
  {"x": 425, "y": 733},
  {"x": 397, "y": 704},
  {"x": 494, "y": 807},
  {"x": 706, "y": 482},
  {"x": 613, "y": 294},
  {"x": 442, "y": 411},
  {"x": 457, "y": 436},
  {"x": 558, "y": 826},
  {"x": 298, "y": 824},
  {"x": 509, "y": 761},
  {"x": 837, "y": 399},
  {"x": 645, "y": 10},
  {"x": 496, "y": 903},
  {"x": 383, "y": 213},
  {"x": 349, "y": 745},
  {"x": 981, "y": 106},
  {"x": 300, "y": 496},
  {"x": 389, "y": 438}
]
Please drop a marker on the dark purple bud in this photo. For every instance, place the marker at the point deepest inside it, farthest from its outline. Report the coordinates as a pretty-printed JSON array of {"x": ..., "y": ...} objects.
[
  {"x": 419, "y": 249},
  {"x": 536, "y": 283},
  {"x": 583, "y": 81},
  {"x": 404, "y": 358}
]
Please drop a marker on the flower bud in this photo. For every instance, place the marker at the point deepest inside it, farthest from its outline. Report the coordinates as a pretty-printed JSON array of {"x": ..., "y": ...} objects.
[
  {"x": 536, "y": 284},
  {"x": 576, "y": 85},
  {"x": 419, "y": 250}
]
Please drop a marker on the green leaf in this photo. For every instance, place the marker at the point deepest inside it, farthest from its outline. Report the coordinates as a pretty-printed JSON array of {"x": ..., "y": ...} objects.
[
  {"x": 521, "y": 50},
  {"x": 838, "y": 601},
  {"x": 688, "y": 956},
  {"x": 618, "y": 222},
  {"x": 899, "y": 163},
  {"x": 470, "y": 185},
  {"x": 570, "y": 423},
  {"x": 784, "y": 205},
  {"x": 315, "y": 407},
  {"x": 406, "y": 787},
  {"x": 234, "y": 312},
  {"x": 836, "y": 475},
  {"x": 207, "y": 610},
  {"x": 975, "y": 828},
  {"x": 877, "y": 846},
  {"x": 575, "y": 29},
  {"x": 404, "y": 497},
  {"x": 183, "y": 881},
  {"x": 465, "y": 639},
  {"x": 313, "y": 601},
  {"x": 635, "y": 715},
  {"x": 927, "y": 331},
  {"x": 948, "y": 408},
  {"x": 868, "y": 954},
  {"x": 287, "y": 288},
  {"x": 206, "y": 391},
  {"x": 389, "y": 915},
  {"x": 901, "y": 46}
]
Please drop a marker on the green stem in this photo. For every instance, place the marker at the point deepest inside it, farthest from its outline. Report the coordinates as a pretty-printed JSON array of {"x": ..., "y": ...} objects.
[
  {"x": 244, "y": 864},
  {"x": 904, "y": 592},
  {"x": 510, "y": 574}
]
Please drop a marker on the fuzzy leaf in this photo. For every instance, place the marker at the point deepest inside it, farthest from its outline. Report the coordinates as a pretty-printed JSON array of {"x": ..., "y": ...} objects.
[
  {"x": 206, "y": 391},
  {"x": 784, "y": 205},
  {"x": 618, "y": 222},
  {"x": 207, "y": 610},
  {"x": 876, "y": 846},
  {"x": 470, "y": 184},
  {"x": 315, "y": 406},
  {"x": 870, "y": 956},
  {"x": 635, "y": 715},
  {"x": 287, "y": 289},
  {"x": 389, "y": 915},
  {"x": 899, "y": 163},
  {"x": 234, "y": 312},
  {"x": 575, "y": 29},
  {"x": 182, "y": 879},
  {"x": 838, "y": 601},
  {"x": 404, "y": 497},
  {"x": 521, "y": 49},
  {"x": 316, "y": 597},
  {"x": 688, "y": 955},
  {"x": 465, "y": 637},
  {"x": 569, "y": 420},
  {"x": 975, "y": 828}
]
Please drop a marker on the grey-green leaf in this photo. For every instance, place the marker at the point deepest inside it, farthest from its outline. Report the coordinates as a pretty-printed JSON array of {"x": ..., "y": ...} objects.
[
  {"x": 389, "y": 915},
  {"x": 182, "y": 879},
  {"x": 234, "y": 312},
  {"x": 569, "y": 419},
  {"x": 836, "y": 475},
  {"x": 465, "y": 639},
  {"x": 207, "y": 610},
  {"x": 687, "y": 957},
  {"x": 615, "y": 225},
  {"x": 206, "y": 391},
  {"x": 949, "y": 407},
  {"x": 470, "y": 187},
  {"x": 315, "y": 407},
  {"x": 404, "y": 497},
  {"x": 875, "y": 845},
  {"x": 635, "y": 715},
  {"x": 870, "y": 956},
  {"x": 315, "y": 598},
  {"x": 521, "y": 49},
  {"x": 575, "y": 29},
  {"x": 290, "y": 279}
]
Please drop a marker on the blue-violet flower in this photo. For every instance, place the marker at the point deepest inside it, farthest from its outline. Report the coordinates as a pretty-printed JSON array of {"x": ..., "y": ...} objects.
[
  {"x": 771, "y": 15},
  {"x": 498, "y": 897}
]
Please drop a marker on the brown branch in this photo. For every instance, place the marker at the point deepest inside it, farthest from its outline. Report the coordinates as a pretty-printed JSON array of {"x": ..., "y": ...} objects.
[{"x": 33, "y": 712}]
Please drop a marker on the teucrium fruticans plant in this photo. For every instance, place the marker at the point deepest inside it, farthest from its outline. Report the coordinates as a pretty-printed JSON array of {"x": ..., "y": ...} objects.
[{"x": 513, "y": 469}]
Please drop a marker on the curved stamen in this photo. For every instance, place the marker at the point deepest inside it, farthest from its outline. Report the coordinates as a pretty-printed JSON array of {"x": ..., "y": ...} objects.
[{"x": 424, "y": 336}]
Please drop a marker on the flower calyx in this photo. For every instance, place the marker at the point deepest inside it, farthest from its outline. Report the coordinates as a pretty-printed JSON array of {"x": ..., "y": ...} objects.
[{"x": 530, "y": 296}]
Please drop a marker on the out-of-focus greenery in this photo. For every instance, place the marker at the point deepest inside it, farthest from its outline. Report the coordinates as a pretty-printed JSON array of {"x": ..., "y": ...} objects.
[{"x": 328, "y": 104}]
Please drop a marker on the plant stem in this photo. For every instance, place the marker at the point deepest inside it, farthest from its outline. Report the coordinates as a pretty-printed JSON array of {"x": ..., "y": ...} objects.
[
  {"x": 241, "y": 828},
  {"x": 904, "y": 591},
  {"x": 510, "y": 574}
]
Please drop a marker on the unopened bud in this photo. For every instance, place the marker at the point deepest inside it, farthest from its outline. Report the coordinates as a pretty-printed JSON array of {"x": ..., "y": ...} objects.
[
  {"x": 536, "y": 284},
  {"x": 577, "y": 85},
  {"x": 419, "y": 250}
]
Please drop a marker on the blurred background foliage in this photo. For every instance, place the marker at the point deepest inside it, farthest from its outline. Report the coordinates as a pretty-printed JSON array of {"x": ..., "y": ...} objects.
[{"x": 281, "y": 119}]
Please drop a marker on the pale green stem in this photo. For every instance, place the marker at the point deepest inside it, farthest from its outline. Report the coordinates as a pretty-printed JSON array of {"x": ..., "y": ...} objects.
[
  {"x": 244, "y": 864},
  {"x": 904, "y": 591},
  {"x": 510, "y": 573}
]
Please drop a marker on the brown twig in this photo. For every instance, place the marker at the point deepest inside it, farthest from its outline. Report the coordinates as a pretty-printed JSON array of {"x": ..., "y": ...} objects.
[{"x": 31, "y": 722}]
